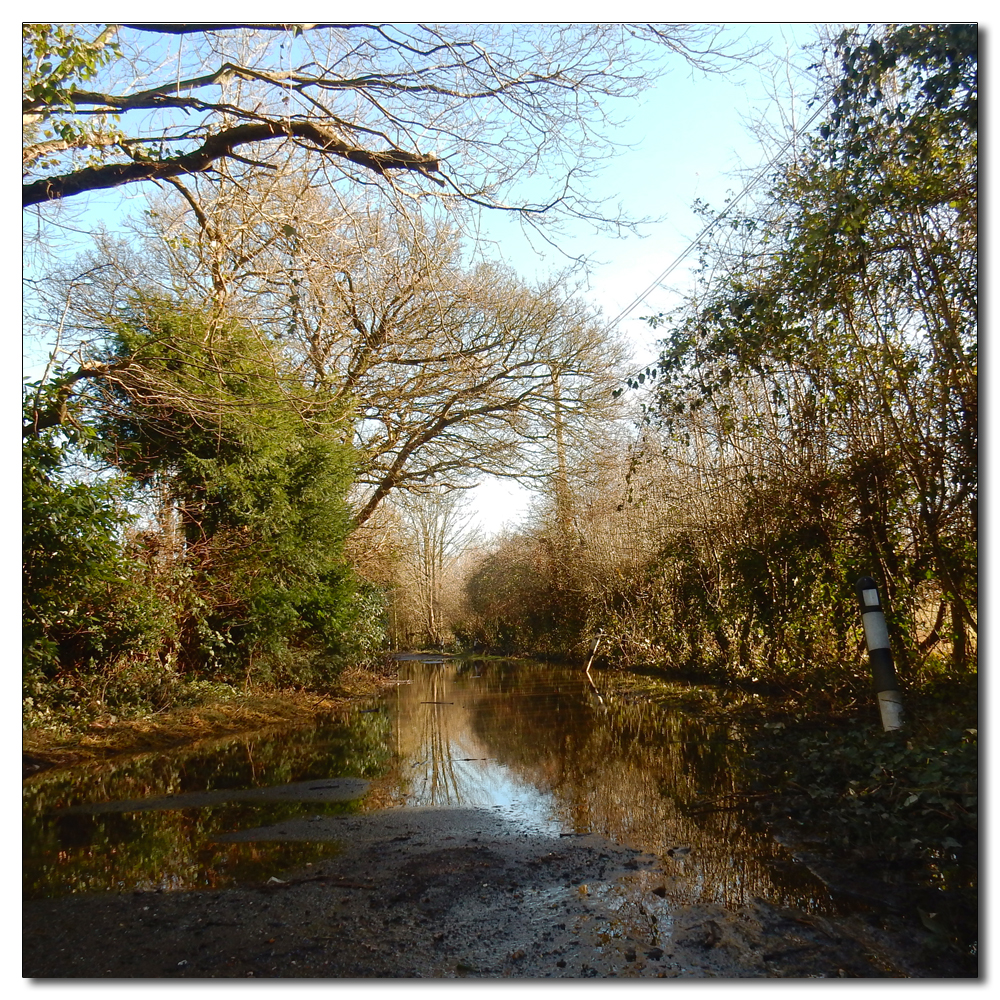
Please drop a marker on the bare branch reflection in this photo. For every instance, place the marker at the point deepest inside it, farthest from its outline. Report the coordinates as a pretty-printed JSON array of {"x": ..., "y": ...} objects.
[{"x": 660, "y": 781}]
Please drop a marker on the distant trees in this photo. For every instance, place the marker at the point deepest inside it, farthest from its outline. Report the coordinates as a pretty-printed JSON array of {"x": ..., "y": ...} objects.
[
  {"x": 290, "y": 339},
  {"x": 264, "y": 381},
  {"x": 535, "y": 587},
  {"x": 434, "y": 539},
  {"x": 286, "y": 373}
]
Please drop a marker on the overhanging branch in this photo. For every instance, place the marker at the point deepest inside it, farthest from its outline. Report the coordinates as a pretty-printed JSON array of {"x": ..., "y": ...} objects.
[{"x": 217, "y": 147}]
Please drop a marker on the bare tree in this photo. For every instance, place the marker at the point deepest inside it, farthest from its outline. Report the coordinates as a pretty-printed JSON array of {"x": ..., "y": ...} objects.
[
  {"x": 509, "y": 116},
  {"x": 451, "y": 372},
  {"x": 436, "y": 532}
]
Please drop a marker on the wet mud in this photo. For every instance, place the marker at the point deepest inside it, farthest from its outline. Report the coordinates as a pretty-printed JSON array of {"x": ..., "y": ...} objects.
[{"x": 451, "y": 893}]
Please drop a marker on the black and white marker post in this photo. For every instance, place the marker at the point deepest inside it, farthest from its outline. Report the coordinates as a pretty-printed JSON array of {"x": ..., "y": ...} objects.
[
  {"x": 890, "y": 699},
  {"x": 593, "y": 653}
]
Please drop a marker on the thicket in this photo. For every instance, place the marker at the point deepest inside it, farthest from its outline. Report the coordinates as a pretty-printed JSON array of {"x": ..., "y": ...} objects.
[
  {"x": 207, "y": 545},
  {"x": 338, "y": 349},
  {"x": 813, "y": 417}
]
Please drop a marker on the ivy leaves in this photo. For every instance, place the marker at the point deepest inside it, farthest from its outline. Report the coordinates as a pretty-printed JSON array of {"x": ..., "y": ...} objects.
[{"x": 55, "y": 59}]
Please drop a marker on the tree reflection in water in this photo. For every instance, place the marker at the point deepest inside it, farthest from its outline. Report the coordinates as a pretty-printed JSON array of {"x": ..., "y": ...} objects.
[
  {"x": 658, "y": 780},
  {"x": 166, "y": 849}
]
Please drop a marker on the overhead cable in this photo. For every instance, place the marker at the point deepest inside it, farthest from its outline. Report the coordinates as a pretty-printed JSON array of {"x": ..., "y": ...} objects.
[{"x": 679, "y": 259}]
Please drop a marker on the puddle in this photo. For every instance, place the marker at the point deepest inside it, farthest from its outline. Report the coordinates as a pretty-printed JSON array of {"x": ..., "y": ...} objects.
[
  {"x": 153, "y": 822},
  {"x": 529, "y": 743}
]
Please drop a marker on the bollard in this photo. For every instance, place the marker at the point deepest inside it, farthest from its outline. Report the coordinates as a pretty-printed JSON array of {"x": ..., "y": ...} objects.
[
  {"x": 890, "y": 699},
  {"x": 593, "y": 651}
]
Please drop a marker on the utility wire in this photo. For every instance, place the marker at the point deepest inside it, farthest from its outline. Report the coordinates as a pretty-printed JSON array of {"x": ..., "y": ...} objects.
[{"x": 679, "y": 259}]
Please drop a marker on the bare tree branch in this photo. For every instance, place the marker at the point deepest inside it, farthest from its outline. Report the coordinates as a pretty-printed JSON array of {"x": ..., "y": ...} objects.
[
  {"x": 215, "y": 148},
  {"x": 463, "y": 113}
]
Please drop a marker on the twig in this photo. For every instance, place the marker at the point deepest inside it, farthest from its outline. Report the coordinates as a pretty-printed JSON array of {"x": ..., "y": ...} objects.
[{"x": 712, "y": 805}]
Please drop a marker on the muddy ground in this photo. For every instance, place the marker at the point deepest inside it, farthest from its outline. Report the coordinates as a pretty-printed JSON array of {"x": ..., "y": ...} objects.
[{"x": 448, "y": 893}]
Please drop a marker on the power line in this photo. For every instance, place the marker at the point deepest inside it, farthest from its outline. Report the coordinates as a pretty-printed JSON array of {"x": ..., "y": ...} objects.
[{"x": 679, "y": 259}]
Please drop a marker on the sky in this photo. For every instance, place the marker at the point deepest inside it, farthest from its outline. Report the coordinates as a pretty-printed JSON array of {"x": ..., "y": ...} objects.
[{"x": 688, "y": 139}]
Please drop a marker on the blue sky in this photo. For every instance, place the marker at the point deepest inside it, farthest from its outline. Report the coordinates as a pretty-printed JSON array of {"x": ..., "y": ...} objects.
[{"x": 689, "y": 139}]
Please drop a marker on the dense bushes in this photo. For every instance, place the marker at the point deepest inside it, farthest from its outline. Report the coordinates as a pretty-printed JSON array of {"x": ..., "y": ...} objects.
[
  {"x": 209, "y": 545},
  {"x": 87, "y": 609}
]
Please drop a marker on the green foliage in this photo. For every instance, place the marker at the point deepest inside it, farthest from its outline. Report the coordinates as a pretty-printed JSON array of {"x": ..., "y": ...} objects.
[
  {"x": 256, "y": 471},
  {"x": 237, "y": 573},
  {"x": 898, "y": 810},
  {"x": 85, "y": 606},
  {"x": 934, "y": 68},
  {"x": 55, "y": 59},
  {"x": 838, "y": 348},
  {"x": 901, "y": 795}
]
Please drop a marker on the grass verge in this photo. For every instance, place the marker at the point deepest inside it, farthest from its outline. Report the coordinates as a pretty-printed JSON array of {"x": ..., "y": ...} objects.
[{"x": 221, "y": 711}]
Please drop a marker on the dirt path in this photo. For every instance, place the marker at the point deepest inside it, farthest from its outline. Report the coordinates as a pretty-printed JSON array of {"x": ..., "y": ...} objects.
[{"x": 449, "y": 893}]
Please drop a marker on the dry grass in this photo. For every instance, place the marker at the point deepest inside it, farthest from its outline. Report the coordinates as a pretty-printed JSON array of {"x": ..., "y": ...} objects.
[{"x": 245, "y": 712}]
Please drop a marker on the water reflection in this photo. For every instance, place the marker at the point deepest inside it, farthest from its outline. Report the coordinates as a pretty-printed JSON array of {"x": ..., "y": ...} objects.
[
  {"x": 533, "y": 741},
  {"x": 68, "y": 849},
  {"x": 443, "y": 761},
  {"x": 538, "y": 742}
]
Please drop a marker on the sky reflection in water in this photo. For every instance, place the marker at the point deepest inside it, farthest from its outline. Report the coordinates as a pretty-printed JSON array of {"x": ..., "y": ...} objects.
[{"x": 534, "y": 742}]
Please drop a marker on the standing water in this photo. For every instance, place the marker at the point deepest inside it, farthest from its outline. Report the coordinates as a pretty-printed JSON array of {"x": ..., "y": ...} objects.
[{"x": 535, "y": 743}]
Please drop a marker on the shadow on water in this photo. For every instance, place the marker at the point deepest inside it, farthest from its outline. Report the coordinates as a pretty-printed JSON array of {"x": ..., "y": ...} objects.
[{"x": 535, "y": 743}]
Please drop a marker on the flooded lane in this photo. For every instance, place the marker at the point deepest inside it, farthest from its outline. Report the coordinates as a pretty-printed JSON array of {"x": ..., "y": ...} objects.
[
  {"x": 537, "y": 744},
  {"x": 534, "y": 744}
]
